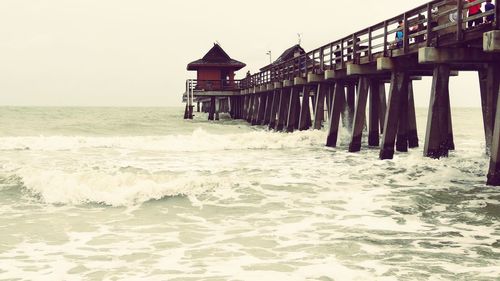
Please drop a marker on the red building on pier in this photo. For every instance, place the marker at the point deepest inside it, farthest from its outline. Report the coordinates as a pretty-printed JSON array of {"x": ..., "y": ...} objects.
[
  {"x": 216, "y": 70},
  {"x": 214, "y": 83}
]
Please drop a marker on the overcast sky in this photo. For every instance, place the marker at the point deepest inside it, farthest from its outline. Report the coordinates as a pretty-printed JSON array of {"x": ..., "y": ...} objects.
[{"x": 135, "y": 52}]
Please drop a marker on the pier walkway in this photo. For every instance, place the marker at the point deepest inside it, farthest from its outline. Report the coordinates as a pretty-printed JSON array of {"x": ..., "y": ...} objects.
[{"x": 338, "y": 81}]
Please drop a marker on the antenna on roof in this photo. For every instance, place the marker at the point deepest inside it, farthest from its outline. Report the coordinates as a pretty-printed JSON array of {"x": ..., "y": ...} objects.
[
  {"x": 270, "y": 54},
  {"x": 299, "y": 35}
]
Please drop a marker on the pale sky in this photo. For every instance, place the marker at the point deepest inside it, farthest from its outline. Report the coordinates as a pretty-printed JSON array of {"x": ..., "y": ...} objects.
[{"x": 134, "y": 53}]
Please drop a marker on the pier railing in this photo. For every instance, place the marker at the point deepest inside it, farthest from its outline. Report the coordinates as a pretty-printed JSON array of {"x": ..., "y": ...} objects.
[
  {"x": 437, "y": 23},
  {"x": 214, "y": 85}
]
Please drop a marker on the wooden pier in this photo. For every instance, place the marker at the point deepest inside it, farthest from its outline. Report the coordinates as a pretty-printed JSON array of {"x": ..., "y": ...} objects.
[{"x": 333, "y": 85}]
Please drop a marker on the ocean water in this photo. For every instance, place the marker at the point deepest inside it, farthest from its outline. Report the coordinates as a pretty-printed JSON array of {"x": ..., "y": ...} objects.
[{"x": 141, "y": 194}]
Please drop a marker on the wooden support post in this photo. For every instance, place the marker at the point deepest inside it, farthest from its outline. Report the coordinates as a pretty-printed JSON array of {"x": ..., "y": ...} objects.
[
  {"x": 244, "y": 107},
  {"x": 262, "y": 109},
  {"x": 412, "y": 119},
  {"x": 319, "y": 111},
  {"x": 211, "y": 111},
  {"x": 267, "y": 111},
  {"x": 293, "y": 110},
  {"x": 305, "y": 111},
  {"x": 383, "y": 106},
  {"x": 402, "y": 135},
  {"x": 449, "y": 137},
  {"x": 217, "y": 109},
  {"x": 351, "y": 95},
  {"x": 248, "y": 103},
  {"x": 489, "y": 84},
  {"x": 329, "y": 99},
  {"x": 359, "y": 115},
  {"x": 198, "y": 106},
  {"x": 399, "y": 83},
  {"x": 251, "y": 108},
  {"x": 438, "y": 120},
  {"x": 230, "y": 103},
  {"x": 274, "y": 110},
  {"x": 190, "y": 111},
  {"x": 256, "y": 107},
  {"x": 186, "y": 111},
  {"x": 313, "y": 101},
  {"x": 374, "y": 119},
  {"x": 494, "y": 170},
  {"x": 283, "y": 109},
  {"x": 240, "y": 102},
  {"x": 255, "y": 110},
  {"x": 237, "y": 107},
  {"x": 338, "y": 106}
]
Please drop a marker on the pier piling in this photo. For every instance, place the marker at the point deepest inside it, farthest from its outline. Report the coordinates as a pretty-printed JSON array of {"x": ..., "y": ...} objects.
[
  {"x": 437, "y": 136},
  {"x": 338, "y": 106},
  {"x": 399, "y": 84},
  {"x": 359, "y": 115}
]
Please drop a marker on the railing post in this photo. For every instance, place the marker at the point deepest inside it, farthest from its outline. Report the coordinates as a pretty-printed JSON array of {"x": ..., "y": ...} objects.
[
  {"x": 331, "y": 56},
  {"x": 342, "y": 53},
  {"x": 385, "y": 39},
  {"x": 429, "y": 25},
  {"x": 370, "y": 43},
  {"x": 406, "y": 38},
  {"x": 321, "y": 59},
  {"x": 497, "y": 14},
  {"x": 354, "y": 49},
  {"x": 460, "y": 11}
]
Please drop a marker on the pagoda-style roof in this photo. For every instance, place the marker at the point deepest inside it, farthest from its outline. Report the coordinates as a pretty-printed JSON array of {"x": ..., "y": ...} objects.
[
  {"x": 216, "y": 57},
  {"x": 288, "y": 54}
]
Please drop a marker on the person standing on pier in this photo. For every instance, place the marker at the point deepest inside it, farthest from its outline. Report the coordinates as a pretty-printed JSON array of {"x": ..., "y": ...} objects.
[
  {"x": 400, "y": 35},
  {"x": 474, "y": 10},
  {"x": 488, "y": 7}
]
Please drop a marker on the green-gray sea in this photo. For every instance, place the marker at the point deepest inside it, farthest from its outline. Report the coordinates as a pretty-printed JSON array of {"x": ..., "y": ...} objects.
[{"x": 141, "y": 194}]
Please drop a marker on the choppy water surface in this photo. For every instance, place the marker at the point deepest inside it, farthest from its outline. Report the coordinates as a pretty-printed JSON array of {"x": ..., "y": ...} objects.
[{"x": 127, "y": 194}]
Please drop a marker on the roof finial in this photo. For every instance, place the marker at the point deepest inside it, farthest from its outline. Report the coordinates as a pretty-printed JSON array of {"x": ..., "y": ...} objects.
[
  {"x": 299, "y": 35},
  {"x": 216, "y": 43}
]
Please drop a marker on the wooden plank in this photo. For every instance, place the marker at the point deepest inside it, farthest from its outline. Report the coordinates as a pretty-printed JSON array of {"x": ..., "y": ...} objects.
[
  {"x": 399, "y": 81},
  {"x": 337, "y": 108},
  {"x": 360, "y": 115}
]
